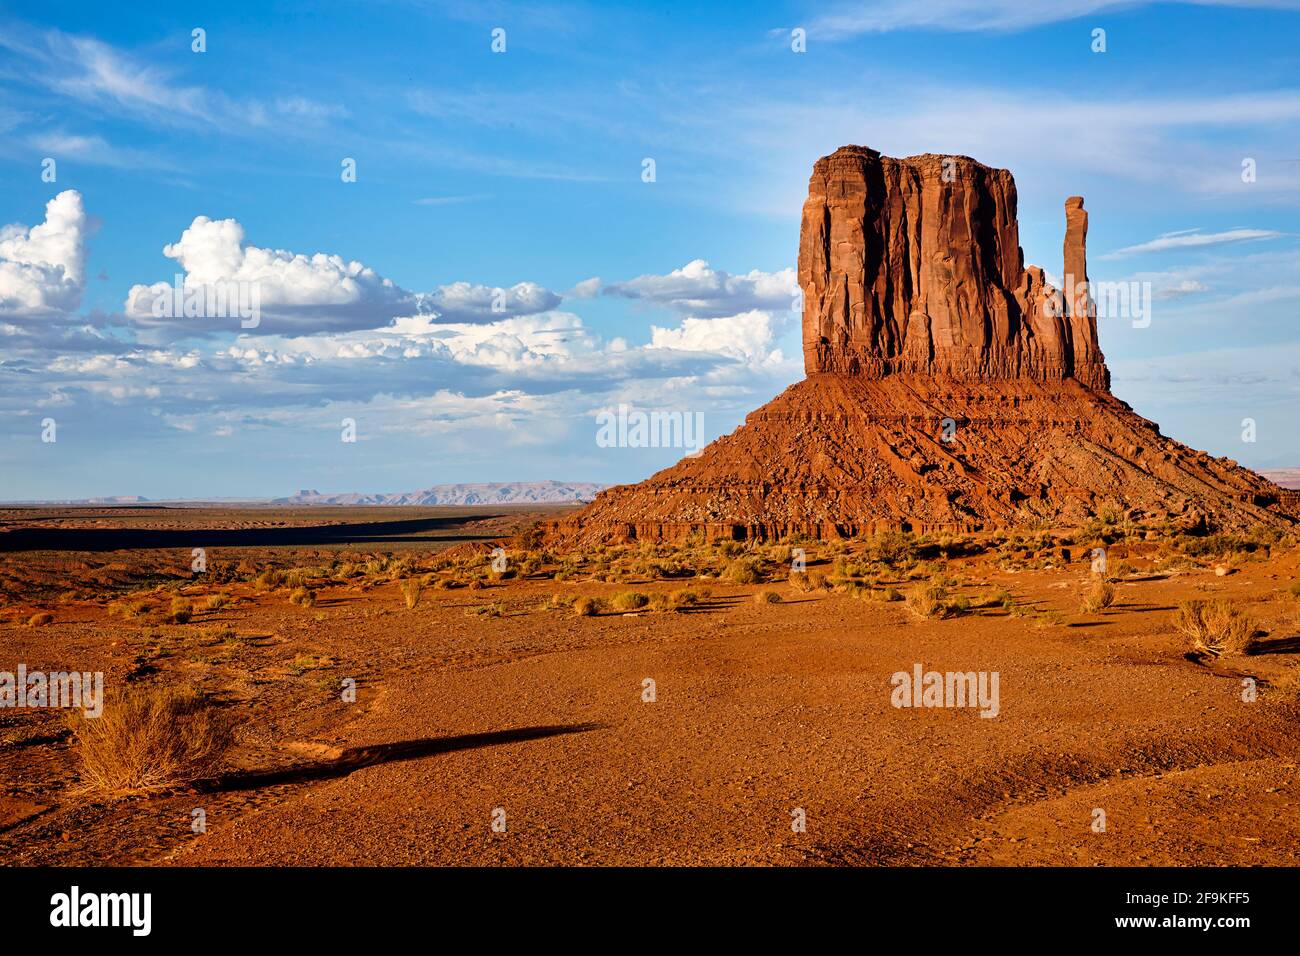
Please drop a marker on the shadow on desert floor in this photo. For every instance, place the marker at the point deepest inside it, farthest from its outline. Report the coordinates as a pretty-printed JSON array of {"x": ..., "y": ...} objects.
[{"x": 355, "y": 758}]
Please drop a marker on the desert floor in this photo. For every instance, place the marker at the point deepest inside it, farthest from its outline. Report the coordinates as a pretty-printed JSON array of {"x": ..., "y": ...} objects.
[{"x": 479, "y": 704}]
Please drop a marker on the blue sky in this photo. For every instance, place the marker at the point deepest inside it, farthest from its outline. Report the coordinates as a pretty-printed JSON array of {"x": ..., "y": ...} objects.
[{"x": 518, "y": 175}]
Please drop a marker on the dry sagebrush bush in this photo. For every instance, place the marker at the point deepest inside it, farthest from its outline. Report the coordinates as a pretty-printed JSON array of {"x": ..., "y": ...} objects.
[
  {"x": 928, "y": 600},
  {"x": 742, "y": 571},
  {"x": 1215, "y": 627},
  {"x": 41, "y": 619},
  {"x": 1099, "y": 596},
  {"x": 181, "y": 612},
  {"x": 150, "y": 739},
  {"x": 628, "y": 601},
  {"x": 411, "y": 589},
  {"x": 586, "y": 606}
]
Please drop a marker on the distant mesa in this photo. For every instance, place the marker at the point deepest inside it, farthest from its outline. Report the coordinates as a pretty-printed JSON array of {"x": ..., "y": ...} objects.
[
  {"x": 485, "y": 493},
  {"x": 949, "y": 387},
  {"x": 1284, "y": 477}
]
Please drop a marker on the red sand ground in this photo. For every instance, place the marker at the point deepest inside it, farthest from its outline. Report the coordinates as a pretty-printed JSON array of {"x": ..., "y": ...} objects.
[{"x": 761, "y": 709}]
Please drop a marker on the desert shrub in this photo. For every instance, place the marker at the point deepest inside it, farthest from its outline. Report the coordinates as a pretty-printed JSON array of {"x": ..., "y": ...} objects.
[
  {"x": 475, "y": 585},
  {"x": 1000, "y": 598},
  {"x": 928, "y": 600},
  {"x": 683, "y": 598},
  {"x": 448, "y": 584},
  {"x": 269, "y": 580},
  {"x": 557, "y": 602},
  {"x": 891, "y": 548},
  {"x": 150, "y": 739},
  {"x": 1215, "y": 627},
  {"x": 959, "y": 604},
  {"x": 487, "y": 610},
  {"x": 767, "y": 597},
  {"x": 1222, "y": 545},
  {"x": 1123, "y": 570},
  {"x": 1294, "y": 590},
  {"x": 817, "y": 581},
  {"x": 888, "y": 594},
  {"x": 216, "y": 602},
  {"x": 130, "y": 609},
  {"x": 743, "y": 571},
  {"x": 303, "y": 596},
  {"x": 181, "y": 612},
  {"x": 40, "y": 619},
  {"x": 530, "y": 539},
  {"x": 586, "y": 606},
  {"x": 411, "y": 589},
  {"x": 799, "y": 581},
  {"x": 628, "y": 600},
  {"x": 1100, "y": 595}
]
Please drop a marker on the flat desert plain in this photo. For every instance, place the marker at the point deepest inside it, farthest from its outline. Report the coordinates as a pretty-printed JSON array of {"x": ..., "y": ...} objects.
[{"x": 399, "y": 692}]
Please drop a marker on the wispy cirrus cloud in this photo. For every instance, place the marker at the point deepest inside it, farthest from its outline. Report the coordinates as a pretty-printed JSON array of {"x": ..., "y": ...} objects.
[
  {"x": 968, "y": 16},
  {"x": 1194, "y": 239},
  {"x": 99, "y": 75}
]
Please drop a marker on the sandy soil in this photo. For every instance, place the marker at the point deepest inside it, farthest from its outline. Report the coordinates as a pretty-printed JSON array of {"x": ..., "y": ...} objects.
[{"x": 760, "y": 710}]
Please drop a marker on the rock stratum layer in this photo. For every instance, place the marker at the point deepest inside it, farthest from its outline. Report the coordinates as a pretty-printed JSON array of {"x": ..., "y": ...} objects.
[{"x": 948, "y": 387}]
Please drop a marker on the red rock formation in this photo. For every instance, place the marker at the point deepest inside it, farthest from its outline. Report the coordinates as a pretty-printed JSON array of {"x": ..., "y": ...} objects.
[
  {"x": 949, "y": 387},
  {"x": 914, "y": 265}
]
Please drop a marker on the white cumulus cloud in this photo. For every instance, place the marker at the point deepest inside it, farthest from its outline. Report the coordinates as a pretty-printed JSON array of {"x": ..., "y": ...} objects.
[
  {"x": 700, "y": 290},
  {"x": 299, "y": 293},
  {"x": 42, "y": 269}
]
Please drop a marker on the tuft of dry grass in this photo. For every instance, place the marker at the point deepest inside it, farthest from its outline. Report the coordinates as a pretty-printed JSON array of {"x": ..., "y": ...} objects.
[
  {"x": 742, "y": 571},
  {"x": 1215, "y": 627},
  {"x": 411, "y": 589},
  {"x": 767, "y": 597},
  {"x": 1099, "y": 596},
  {"x": 303, "y": 596},
  {"x": 150, "y": 739},
  {"x": 586, "y": 606},
  {"x": 40, "y": 619},
  {"x": 216, "y": 602},
  {"x": 683, "y": 598},
  {"x": 181, "y": 612},
  {"x": 628, "y": 601},
  {"x": 799, "y": 581},
  {"x": 928, "y": 601}
]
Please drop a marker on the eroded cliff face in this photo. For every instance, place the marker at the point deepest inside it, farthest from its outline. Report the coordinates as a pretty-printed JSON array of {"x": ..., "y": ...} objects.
[{"x": 914, "y": 266}]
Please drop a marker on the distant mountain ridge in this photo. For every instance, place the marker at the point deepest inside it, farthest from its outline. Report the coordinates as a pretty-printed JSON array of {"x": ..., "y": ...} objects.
[
  {"x": 482, "y": 493},
  {"x": 1284, "y": 477}
]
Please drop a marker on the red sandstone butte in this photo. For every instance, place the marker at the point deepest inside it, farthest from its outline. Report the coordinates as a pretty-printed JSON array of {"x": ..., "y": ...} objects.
[{"x": 949, "y": 387}]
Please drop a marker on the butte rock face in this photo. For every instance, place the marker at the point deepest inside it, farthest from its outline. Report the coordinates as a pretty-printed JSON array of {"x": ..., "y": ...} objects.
[
  {"x": 948, "y": 386},
  {"x": 914, "y": 266}
]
